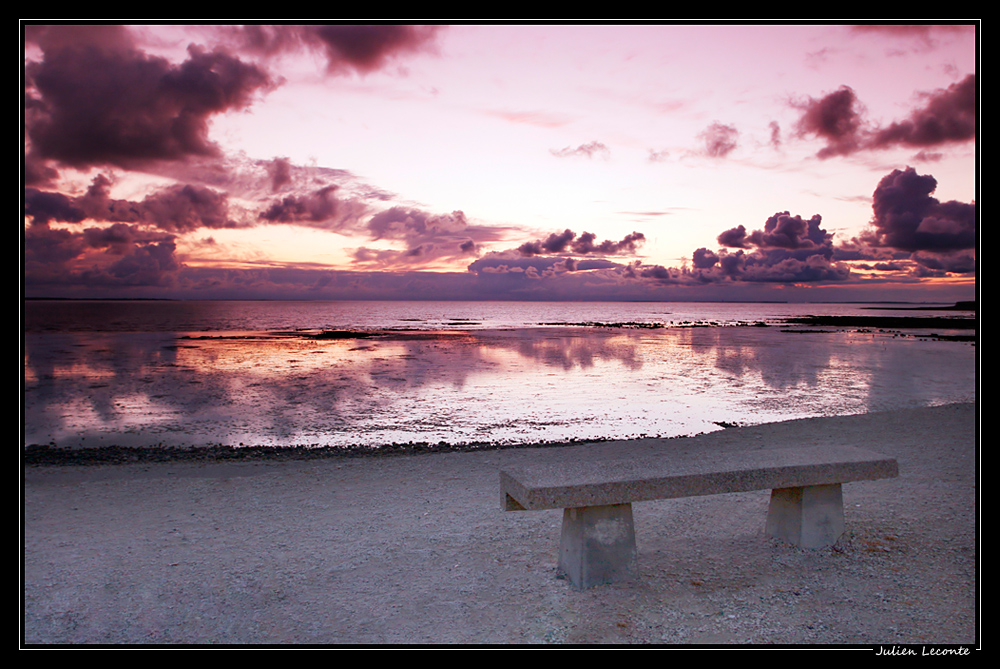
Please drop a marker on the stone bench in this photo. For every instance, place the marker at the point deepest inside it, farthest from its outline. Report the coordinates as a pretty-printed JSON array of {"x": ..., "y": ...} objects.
[{"x": 598, "y": 536}]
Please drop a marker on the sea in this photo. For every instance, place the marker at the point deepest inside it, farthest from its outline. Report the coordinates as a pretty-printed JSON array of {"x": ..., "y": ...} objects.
[{"x": 369, "y": 375}]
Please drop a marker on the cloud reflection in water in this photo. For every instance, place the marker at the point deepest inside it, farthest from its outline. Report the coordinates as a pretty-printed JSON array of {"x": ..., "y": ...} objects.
[{"x": 519, "y": 385}]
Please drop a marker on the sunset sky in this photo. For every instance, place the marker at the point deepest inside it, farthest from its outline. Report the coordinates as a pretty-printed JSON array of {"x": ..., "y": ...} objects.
[{"x": 660, "y": 162}]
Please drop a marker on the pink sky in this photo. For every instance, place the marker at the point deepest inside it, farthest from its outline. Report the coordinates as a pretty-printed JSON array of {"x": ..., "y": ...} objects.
[{"x": 498, "y": 162}]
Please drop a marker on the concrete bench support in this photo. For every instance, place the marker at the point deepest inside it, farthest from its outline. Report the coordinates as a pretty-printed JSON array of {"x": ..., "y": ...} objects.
[
  {"x": 598, "y": 535},
  {"x": 809, "y": 517},
  {"x": 597, "y": 544}
]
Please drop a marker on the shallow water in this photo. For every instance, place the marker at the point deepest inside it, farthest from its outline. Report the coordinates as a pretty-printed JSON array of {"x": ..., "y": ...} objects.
[{"x": 196, "y": 374}]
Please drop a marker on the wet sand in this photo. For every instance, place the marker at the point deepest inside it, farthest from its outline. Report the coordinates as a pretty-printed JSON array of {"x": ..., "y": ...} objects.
[{"x": 414, "y": 549}]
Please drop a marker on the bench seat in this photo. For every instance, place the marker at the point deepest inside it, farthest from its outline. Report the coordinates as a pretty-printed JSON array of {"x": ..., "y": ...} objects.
[{"x": 598, "y": 538}]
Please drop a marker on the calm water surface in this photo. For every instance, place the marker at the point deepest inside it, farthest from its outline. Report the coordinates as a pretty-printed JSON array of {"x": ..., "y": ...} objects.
[{"x": 200, "y": 373}]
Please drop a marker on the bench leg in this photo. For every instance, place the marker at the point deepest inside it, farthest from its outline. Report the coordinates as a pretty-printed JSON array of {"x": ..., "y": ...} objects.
[
  {"x": 598, "y": 544},
  {"x": 809, "y": 517}
]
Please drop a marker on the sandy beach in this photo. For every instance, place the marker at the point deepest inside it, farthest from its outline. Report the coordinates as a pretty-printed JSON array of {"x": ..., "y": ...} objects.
[{"x": 415, "y": 549}]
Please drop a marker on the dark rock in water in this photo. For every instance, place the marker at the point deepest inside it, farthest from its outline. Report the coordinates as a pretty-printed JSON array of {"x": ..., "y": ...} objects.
[
  {"x": 969, "y": 305},
  {"x": 886, "y": 322},
  {"x": 339, "y": 334}
]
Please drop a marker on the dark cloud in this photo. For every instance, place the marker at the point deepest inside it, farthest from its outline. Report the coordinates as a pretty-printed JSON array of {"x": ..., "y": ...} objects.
[
  {"x": 908, "y": 218},
  {"x": 703, "y": 258},
  {"x": 369, "y": 47},
  {"x": 97, "y": 106},
  {"x": 44, "y": 206},
  {"x": 914, "y": 233},
  {"x": 947, "y": 115},
  {"x": 734, "y": 237},
  {"x": 413, "y": 224},
  {"x": 836, "y": 118},
  {"x": 788, "y": 249},
  {"x": 720, "y": 139},
  {"x": 320, "y": 206},
  {"x": 855, "y": 249},
  {"x": 37, "y": 172},
  {"x": 47, "y": 249},
  {"x": 428, "y": 238},
  {"x": 178, "y": 208},
  {"x": 120, "y": 237},
  {"x": 148, "y": 265},
  {"x": 135, "y": 246},
  {"x": 346, "y": 47},
  {"x": 554, "y": 243},
  {"x": 183, "y": 208},
  {"x": 782, "y": 230},
  {"x": 120, "y": 254},
  {"x": 758, "y": 266},
  {"x": 586, "y": 244},
  {"x": 785, "y": 267},
  {"x": 510, "y": 262},
  {"x": 942, "y": 264},
  {"x": 655, "y": 273}
]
